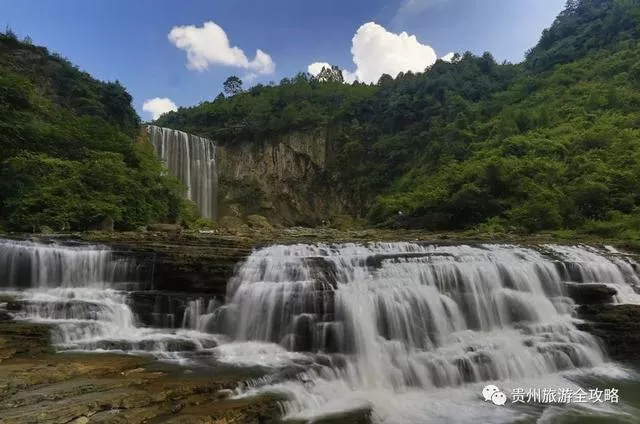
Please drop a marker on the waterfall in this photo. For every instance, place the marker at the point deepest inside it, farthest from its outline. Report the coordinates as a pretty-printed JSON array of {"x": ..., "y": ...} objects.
[
  {"x": 386, "y": 320},
  {"x": 412, "y": 331},
  {"x": 193, "y": 160},
  {"x": 85, "y": 293}
]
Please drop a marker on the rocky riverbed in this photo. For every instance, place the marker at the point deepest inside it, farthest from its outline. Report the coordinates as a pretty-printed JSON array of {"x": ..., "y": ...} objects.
[{"x": 39, "y": 386}]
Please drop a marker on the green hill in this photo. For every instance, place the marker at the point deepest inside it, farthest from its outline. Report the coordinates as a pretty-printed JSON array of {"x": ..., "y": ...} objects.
[
  {"x": 550, "y": 143},
  {"x": 71, "y": 152}
]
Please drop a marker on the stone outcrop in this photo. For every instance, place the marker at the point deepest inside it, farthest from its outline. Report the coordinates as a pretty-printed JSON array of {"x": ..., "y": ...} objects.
[
  {"x": 187, "y": 263},
  {"x": 618, "y": 326},
  {"x": 284, "y": 180},
  {"x": 37, "y": 386},
  {"x": 590, "y": 293}
]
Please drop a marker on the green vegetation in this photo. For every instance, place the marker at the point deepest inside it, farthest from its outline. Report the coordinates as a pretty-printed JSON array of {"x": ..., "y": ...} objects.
[
  {"x": 71, "y": 153},
  {"x": 552, "y": 143}
]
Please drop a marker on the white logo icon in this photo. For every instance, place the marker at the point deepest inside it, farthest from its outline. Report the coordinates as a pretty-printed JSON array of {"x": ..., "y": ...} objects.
[{"x": 494, "y": 394}]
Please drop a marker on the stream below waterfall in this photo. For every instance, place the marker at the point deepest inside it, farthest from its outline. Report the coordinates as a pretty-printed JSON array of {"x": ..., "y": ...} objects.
[{"x": 411, "y": 331}]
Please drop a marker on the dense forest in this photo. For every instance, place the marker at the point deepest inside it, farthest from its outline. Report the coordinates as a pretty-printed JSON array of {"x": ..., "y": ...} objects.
[
  {"x": 547, "y": 144},
  {"x": 72, "y": 154},
  {"x": 550, "y": 143}
]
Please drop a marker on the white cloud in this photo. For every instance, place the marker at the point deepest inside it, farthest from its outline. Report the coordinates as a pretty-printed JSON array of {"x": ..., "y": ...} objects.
[
  {"x": 158, "y": 106},
  {"x": 209, "y": 45},
  {"x": 448, "y": 57},
  {"x": 377, "y": 51},
  {"x": 316, "y": 67}
]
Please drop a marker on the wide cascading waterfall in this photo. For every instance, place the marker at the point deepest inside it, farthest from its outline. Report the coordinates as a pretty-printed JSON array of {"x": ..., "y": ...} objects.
[
  {"x": 85, "y": 293},
  {"x": 193, "y": 160},
  {"x": 388, "y": 320},
  {"x": 411, "y": 331}
]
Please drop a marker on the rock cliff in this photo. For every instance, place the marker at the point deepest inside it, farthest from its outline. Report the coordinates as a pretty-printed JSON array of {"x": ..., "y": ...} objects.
[{"x": 284, "y": 179}]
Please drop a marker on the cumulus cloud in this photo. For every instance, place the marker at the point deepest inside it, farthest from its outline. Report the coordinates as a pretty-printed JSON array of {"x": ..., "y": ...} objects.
[
  {"x": 209, "y": 45},
  {"x": 158, "y": 106},
  {"x": 316, "y": 67},
  {"x": 377, "y": 51},
  {"x": 448, "y": 57}
]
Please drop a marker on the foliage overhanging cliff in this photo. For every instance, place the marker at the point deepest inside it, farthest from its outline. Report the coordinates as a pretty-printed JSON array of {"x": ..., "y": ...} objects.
[
  {"x": 553, "y": 142},
  {"x": 71, "y": 152}
]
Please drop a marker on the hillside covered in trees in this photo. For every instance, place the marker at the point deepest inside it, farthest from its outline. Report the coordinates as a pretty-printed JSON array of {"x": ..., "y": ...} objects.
[
  {"x": 72, "y": 155},
  {"x": 550, "y": 143}
]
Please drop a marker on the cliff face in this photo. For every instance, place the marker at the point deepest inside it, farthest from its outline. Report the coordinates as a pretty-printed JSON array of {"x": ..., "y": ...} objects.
[{"x": 284, "y": 179}]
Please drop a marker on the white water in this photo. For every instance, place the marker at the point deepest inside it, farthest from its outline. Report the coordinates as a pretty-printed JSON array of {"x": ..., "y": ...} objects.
[
  {"x": 193, "y": 160},
  {"x": 416, "y": 331},
  {"x": 83, "y": 291},
  {"x": 411, "y": 331}
]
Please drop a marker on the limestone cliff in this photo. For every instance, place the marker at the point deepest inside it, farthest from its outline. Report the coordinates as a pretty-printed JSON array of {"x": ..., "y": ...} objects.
[{"x": 284, "y": 179}]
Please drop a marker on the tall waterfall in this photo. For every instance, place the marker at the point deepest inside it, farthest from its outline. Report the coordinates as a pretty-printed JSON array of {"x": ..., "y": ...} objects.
[
  {"x": 411, "y": 331},
  {"x": 193, "y": 160}
]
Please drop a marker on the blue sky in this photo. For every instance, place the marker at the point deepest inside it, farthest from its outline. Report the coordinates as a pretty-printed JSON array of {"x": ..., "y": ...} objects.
[{"x": 128, "y": 40}]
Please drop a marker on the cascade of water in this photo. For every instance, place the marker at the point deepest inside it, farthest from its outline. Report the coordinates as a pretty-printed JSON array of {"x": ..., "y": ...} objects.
[
  {"x": 397, "y": 317},
  {"x": 200, "y": 315},
  {"x": 193, "y": 160},
  {"x": 28, "y": 264},
  {"x": 83, "y": 291},
  {"x": 382, "y": 323}
]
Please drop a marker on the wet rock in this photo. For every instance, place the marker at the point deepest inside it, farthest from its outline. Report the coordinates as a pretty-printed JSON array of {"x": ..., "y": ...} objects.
[
  {"x": 224, "y": 394},
  {"x": 114, "y": 389},
  {"x": 168, "y": 345},
  {"x": 165, "y": 228},
  {"x": 114, "y": 345},
  {"x": 19, "y": 338},
  {"x": 618, "y": 326},
  {"x": 590, "y": 293},
  {"x": 11, "y": 304},
  {"x": 133, "y": 371},
  {"x": 5, "y": 316}
]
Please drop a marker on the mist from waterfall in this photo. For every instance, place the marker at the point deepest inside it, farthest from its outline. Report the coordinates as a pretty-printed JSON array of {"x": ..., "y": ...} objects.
[{"x": 192, "y": 160}]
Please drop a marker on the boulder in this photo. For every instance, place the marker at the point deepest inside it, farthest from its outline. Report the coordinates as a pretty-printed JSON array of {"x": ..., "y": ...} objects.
[
  {"x": 590, "y": 293},
  {"x": 5, "y": 316},
  {"x": 618, "y": 326}
]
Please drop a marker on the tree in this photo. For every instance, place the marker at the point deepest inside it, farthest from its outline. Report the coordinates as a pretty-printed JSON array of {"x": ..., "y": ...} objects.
[
  {"x": 385, "y": 80},
  {"x": 333, "y": 74},
  {"x": 232, "y": 85}
]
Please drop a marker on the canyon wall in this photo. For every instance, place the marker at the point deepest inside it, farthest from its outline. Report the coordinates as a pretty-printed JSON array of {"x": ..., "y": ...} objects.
[{"x": 285, "y": 179}]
